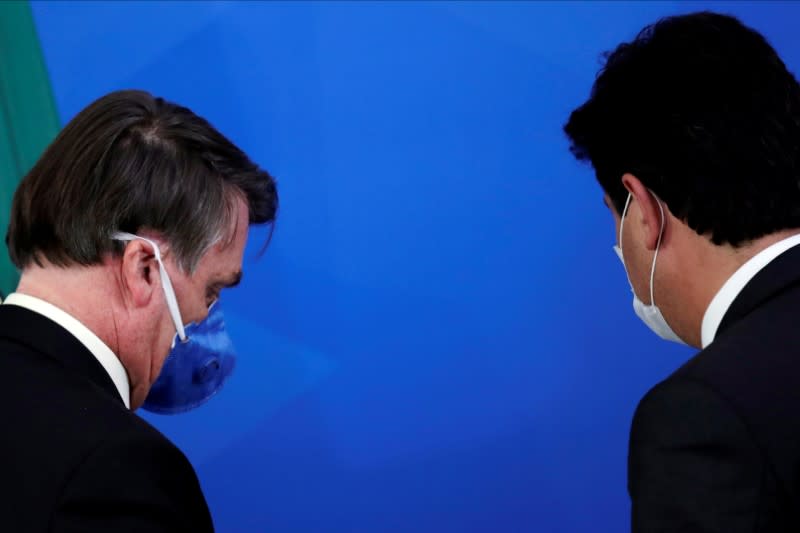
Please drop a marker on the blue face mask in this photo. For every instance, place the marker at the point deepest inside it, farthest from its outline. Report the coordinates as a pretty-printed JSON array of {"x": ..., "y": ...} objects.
[
  {"x": 202, "y": 355},
  {"x": 195, "y": 369}
]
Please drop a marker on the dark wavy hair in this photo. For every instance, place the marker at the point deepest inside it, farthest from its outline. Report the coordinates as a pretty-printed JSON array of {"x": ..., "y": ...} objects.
[
  {"x": 702, "y": 110},
  {"x": 132, "y": 161}
]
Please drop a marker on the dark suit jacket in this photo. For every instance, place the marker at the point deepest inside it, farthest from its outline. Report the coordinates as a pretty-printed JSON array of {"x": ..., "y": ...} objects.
[
  {"x": 72, "y": 457},
  {"x": 716, "y": 446}
]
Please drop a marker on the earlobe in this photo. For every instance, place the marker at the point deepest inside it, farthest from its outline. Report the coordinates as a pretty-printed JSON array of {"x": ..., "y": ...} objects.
[
  {"x": 139, "y": 272},
  {"x": 654, "y": 219}
]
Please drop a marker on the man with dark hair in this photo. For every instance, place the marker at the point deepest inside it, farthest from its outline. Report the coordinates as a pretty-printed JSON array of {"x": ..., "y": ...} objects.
[
  {"x": 128, "y": 227},
  {"x": 693, "y": 130}
]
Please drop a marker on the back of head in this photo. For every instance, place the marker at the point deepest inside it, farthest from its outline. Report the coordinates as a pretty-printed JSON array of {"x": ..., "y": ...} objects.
[
  {"x": 131, "y": 162},
  {"x": 702, "y": 110}
]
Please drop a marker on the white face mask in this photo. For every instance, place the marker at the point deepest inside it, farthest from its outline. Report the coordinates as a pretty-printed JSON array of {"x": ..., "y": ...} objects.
[{"x": 649, "y": 314}]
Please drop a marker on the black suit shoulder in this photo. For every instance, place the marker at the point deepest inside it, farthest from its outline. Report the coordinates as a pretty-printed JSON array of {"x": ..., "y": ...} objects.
[
  {"x": 73, "y": 457},
  {"x": 692, "y": 465},
  {"x": 755, "y": 366},
  {"x": 715, "y": 446},
  {"x": 134, "y": 480}
]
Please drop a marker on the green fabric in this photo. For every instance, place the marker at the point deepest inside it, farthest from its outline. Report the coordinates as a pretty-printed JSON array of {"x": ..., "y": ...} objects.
[{"x": 28, "y": 116}]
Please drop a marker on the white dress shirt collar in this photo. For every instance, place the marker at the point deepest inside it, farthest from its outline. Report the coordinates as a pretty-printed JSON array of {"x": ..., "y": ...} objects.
[
  {"x": 730, "y": 290},
  {"x": 92, "y": 342}
]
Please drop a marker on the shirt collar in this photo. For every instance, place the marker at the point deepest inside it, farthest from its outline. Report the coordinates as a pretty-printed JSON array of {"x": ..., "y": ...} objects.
[
  {"x": 730, "y": 290},
  {"x": 92, "y": 342}
]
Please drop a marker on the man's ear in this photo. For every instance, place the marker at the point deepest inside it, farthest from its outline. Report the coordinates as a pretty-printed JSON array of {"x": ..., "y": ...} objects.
[
  {"x": 653, "y": 213},
  {"x": 140, "y": 273}
]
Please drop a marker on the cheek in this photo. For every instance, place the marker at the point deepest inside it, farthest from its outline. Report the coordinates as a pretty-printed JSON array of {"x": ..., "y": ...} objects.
[
  {"x": 166, "y": 332},
  {"x": 191, "y": 296},
  {"x": 639, "y": 271},
  {"x": 161, "y": 351},
  {"x": 197, "y": 314},
  {"x": 616, "y": 220}
]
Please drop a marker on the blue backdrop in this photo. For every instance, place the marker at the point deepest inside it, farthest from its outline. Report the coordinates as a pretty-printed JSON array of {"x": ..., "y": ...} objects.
[{"x": 440, "y": 337}]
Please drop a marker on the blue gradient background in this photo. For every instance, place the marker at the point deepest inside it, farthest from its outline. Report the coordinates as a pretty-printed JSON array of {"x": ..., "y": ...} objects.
[{"x": 440, "y": 337}]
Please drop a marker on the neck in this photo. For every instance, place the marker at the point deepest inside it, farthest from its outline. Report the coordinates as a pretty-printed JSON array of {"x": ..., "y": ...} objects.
[
  {"x": 83, "y": 292},
  {"x": 705, "y": 271}
]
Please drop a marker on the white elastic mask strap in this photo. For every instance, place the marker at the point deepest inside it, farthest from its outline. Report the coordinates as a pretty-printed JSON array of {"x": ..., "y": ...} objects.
[
  {"x": 618, "y": 248},
  {"x": 622, "y": 220},
  {"x": 169, "y": 292},
  {"x": 658, "y": 246}
]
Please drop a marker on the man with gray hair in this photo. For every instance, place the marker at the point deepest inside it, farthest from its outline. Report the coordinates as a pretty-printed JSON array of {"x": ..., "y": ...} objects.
[{"x": 128, "y": 227}]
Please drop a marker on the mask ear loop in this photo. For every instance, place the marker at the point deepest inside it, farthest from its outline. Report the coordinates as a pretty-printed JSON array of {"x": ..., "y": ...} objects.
[
  {"x": 169, "y": 292},
  {"x": 658, "y": 247},
  {"x": 618, "y": 248},
  {"x": 622, "y": 221}
]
